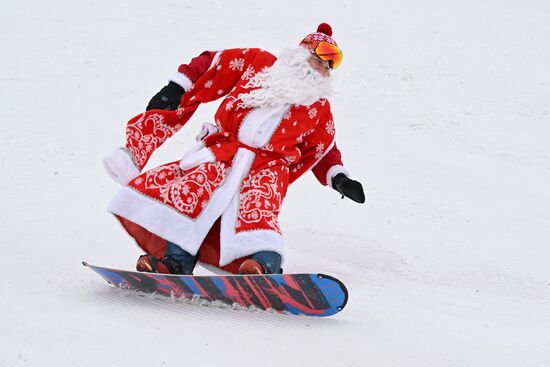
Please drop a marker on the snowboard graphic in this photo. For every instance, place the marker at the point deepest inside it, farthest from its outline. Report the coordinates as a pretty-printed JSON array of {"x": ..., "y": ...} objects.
[{"x": 299, "y": 294}]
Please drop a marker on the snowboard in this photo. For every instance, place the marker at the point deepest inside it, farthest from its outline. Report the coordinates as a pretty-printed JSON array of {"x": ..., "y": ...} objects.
[{"x": 298, "y": 294}]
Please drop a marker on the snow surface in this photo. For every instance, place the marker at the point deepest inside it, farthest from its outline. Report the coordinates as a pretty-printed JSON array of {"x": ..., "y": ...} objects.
[{"x": 442, "y": 111}]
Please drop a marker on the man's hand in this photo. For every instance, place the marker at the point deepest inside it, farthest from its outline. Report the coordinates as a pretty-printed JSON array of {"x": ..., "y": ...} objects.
[
  {"x": 167, "y": 99},
  {"x": 349, "y": 188}
]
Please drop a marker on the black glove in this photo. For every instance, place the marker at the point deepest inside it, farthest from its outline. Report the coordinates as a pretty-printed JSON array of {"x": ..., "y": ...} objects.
[
  {"x": 349, "y": 188},
  {"x": 168, "y": 98}
]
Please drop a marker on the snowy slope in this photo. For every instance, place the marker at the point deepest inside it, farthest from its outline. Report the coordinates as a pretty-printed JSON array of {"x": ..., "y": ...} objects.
[{"x": 441, "y": 109}]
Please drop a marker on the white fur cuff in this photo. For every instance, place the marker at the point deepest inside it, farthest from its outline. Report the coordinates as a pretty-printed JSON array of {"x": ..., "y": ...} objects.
[
  {"x": 182, "y": 80},
  {"x": 333, "y": 171},
  {"x": 120, "y": 166}
]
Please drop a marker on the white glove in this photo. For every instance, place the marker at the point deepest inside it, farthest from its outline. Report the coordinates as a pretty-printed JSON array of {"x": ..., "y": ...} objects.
[
  {"x": 199, "y": 154},
  {"x": 206, "y": 129},
  {"x": 196, "y": 156},
  {"x": 120, "y": 166}
]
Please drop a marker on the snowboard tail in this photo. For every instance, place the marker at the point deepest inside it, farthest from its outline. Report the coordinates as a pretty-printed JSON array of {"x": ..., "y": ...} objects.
[{"x": 299, "y": 294}]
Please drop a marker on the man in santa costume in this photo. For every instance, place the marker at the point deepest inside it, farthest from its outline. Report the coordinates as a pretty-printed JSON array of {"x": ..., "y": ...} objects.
[{"x": 220, "y": 203}]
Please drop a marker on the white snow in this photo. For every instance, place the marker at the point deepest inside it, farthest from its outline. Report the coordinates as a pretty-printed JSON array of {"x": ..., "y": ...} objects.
[{"x": 442, "y": 111}]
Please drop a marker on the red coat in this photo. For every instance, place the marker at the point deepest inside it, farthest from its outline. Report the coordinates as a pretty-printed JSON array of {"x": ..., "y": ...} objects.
[
  {"x": 239, "y": 175},
  {"x": 189, "y": 73}
]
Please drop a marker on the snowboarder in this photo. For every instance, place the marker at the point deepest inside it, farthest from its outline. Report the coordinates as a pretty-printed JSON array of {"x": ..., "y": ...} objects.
[{"x": 220, "y": 203}]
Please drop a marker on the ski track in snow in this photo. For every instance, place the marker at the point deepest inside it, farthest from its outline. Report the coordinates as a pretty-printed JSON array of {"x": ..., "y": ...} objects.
[{"x": 441, "y": 111}]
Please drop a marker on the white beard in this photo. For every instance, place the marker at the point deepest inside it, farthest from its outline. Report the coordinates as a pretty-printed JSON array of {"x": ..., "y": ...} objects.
[{"x": 290, "y": 80}]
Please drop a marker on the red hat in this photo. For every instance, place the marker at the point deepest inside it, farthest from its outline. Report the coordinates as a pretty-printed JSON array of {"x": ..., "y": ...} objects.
[
  {"x": 323, "y": 34},
  {"x": 323, "y": 46}
]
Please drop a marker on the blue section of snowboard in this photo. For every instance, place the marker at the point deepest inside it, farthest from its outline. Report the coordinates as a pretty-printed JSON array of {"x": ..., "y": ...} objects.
[{"x": 299, "y": 294}]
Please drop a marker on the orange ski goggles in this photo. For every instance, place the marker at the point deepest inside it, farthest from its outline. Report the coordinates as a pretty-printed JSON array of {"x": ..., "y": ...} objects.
[{"x": 329, "y": 52}]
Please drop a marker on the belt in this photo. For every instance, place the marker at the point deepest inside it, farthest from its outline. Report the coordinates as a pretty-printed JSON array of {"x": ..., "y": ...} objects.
[{"x": 220, "y": 147}]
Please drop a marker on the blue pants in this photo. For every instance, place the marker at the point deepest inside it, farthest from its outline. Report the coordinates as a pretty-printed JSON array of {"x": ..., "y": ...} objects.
[
  {"x": 269, "y": 259},
  {"x": 186, "y": 262}
]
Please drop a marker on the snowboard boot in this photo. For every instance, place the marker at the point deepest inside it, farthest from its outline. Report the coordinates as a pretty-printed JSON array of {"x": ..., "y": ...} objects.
[
  {"x": 176, "y": 261},
  {"x": 150, "y": 264},
  {"x": 250, "y": 266},
  {"x": 263, "y": 262}
]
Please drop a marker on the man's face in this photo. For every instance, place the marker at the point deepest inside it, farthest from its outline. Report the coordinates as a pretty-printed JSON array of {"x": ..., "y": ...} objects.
[{"x": 321, "y": 66}]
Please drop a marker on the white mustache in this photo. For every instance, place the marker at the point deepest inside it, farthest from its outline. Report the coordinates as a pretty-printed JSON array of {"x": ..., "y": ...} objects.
[{"x": 291, "y": 80}]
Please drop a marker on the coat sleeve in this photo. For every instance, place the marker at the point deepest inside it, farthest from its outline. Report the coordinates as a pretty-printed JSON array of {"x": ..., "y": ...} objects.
[
  {"x": 189, "y": 73},
  {"x": 329, "y": 166},
  {"x": 316, "y": 143},
  {"x": 145, "y": 133}
]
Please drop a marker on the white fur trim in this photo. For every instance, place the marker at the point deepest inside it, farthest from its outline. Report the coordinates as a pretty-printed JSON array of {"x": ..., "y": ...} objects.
[
  {"x": 120, "y": 166},
  {"x": 168, "y": 223},
  {"x": 333, "y": 171},
  {"x": 248, "y": 243},
  {"x": 182, "y": 80}
]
